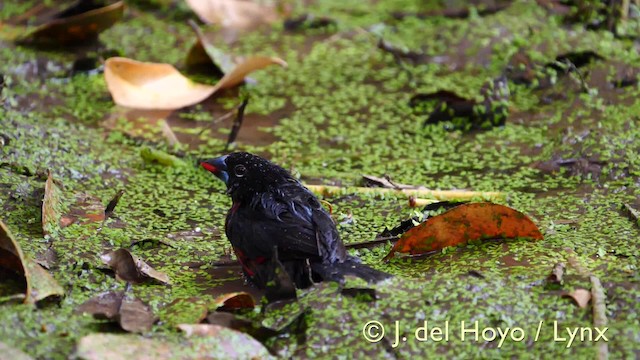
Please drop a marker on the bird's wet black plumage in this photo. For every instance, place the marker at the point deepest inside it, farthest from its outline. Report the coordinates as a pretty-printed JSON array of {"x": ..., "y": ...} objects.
[{"x": 273, "y": 211}]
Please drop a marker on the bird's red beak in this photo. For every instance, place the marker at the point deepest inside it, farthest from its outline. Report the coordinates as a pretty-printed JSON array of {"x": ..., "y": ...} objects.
[
  {"x": 217, "y": 167},
  {"x": 209, "y": 167}
]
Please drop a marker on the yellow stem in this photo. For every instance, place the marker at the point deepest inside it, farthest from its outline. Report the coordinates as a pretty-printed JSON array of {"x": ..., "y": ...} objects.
[{"x": 422, "y": 194}]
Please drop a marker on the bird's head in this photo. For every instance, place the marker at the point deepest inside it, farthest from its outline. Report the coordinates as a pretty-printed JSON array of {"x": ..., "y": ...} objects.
[{"x": 246, "y": 174}]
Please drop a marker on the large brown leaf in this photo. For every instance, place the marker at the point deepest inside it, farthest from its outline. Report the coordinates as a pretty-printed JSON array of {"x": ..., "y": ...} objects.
[
  {"x": 201, "y": 342},
  {"x": 144, "y": 85},
  {"x": 465, "y": 223},
  {"x": 39, "y": 283},
  {"x": 131, "y": 313}
]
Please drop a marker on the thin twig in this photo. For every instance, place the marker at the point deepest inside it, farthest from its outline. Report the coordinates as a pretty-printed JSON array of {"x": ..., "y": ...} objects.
[
  {"x": 219, "y": 119},
  {"x": 370, "y": 243},
  {"x": 598, "y": 302},
  {"x": 237, "y": 123}
]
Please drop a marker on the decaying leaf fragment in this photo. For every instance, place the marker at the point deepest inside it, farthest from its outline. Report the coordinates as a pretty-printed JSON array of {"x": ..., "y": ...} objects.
[
  {"x": 556, "y": 275},
  {"x": 144, "y": 85},
  {"x": 86, "y": 209},
  {"x": 131, "y": 268},
  {"x": 465, "y": 223},
  {"x": 39, "y": 283}
]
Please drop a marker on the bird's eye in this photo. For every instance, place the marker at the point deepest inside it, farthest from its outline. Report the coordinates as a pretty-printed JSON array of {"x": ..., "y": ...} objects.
[{"x": 240, "y": 170}]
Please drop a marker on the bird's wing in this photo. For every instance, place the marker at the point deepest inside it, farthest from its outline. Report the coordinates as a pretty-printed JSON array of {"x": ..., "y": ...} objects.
[{"x": 290, "y": 218}]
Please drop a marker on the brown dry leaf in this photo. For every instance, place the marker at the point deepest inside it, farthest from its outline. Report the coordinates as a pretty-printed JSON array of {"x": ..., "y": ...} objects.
[
  {"x": 145, "y": 85},
  {"x": 51, "y": 207},
  {"x": 70, "y": 28},
  {"x": 235, "y": 14},
  {"x": 104, "y": 306},
  {"x": 136, "y": 316},
  {"x": 580, "y": 296},
  {"x": 39, "y": 283},
  {"x": 131, "y": 313},
  {"x": 129, "y": 267}
]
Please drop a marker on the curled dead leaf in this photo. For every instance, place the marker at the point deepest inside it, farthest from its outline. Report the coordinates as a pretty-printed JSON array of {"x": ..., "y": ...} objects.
[
  {"x": 236, "y": 300},
  {"x": 146, "y": 85},
  {"x": 113, "y": 203},
  {"x": 71, "y": 27},
  {"x": 580, "y": 296},
  {"x": 131, "y": 268},
  {"x": 465, "y": 223},
  {"x": 39, "y": 283},
  {"x": 204, "y": 54}
]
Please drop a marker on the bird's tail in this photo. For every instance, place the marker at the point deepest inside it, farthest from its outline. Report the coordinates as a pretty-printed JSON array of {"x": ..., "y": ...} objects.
[{"x": 351, "y": 266}]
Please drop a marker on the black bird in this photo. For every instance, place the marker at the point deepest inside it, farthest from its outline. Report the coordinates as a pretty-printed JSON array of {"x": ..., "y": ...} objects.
[{"x": 274, "y": 215}]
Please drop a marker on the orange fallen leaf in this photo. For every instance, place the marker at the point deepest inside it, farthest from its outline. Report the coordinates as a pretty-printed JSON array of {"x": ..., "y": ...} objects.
[
  {"x": 236, "y": 14},
  {"x": 144, "y": 85},
  {"x": 465, "y": 223},
  {"x": 580, "y": 296}
]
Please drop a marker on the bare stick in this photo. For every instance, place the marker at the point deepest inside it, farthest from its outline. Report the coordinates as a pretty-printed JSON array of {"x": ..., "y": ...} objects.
[{"x": 599, "y": 314}]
